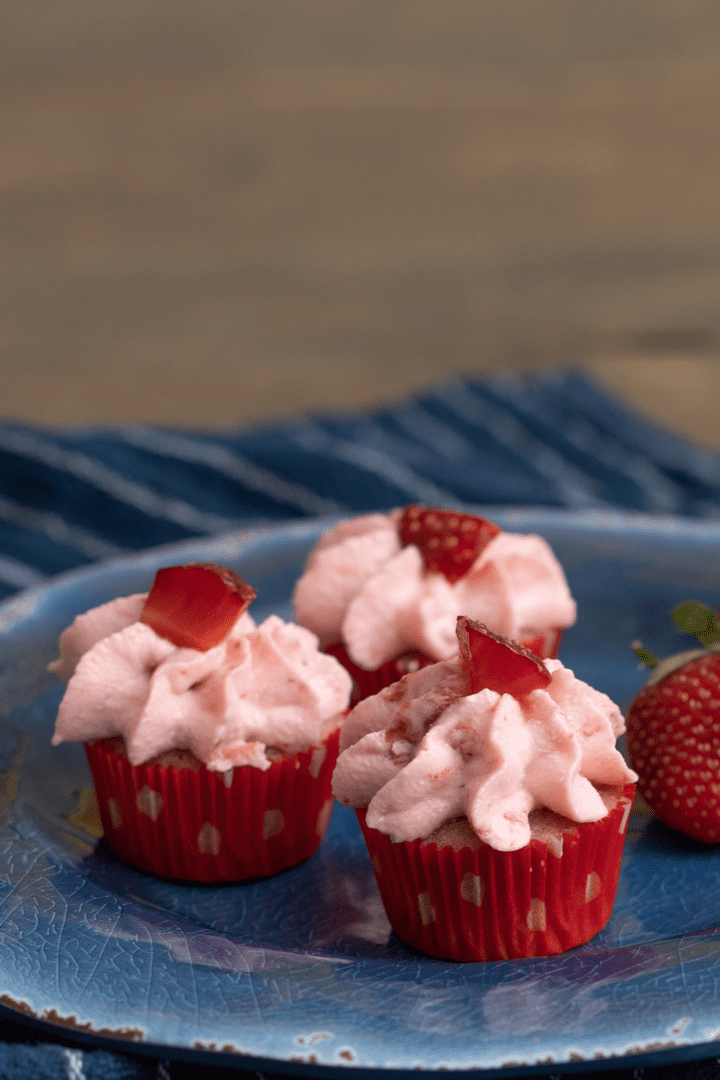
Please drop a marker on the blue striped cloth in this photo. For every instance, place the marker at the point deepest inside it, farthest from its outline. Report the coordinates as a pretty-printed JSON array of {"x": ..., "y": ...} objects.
[{"x": 72, "y": 495}]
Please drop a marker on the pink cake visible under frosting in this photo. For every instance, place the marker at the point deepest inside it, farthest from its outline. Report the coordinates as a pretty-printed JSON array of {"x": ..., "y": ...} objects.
[
  {"x": 362, "y": 587},
  {"x": 426, "y": 750},
  {"x": 261, "y": 687}
]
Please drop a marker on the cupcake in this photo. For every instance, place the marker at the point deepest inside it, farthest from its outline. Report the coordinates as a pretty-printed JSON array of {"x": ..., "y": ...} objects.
[
  {"x": 492, "y": 799},
  {"x": 211, "y": 740},
  {"x": 383, "y": 592}
]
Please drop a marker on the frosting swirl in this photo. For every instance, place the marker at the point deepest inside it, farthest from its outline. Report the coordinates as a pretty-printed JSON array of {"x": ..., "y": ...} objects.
[
  {"x": 362, "y": 587},
  {"x": 427, "y": 750},
  {"x": 261, "y": 688}
]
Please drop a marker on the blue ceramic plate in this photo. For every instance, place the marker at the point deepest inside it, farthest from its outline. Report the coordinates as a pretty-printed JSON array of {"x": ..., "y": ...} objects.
[{"x": 303, "y": 968}]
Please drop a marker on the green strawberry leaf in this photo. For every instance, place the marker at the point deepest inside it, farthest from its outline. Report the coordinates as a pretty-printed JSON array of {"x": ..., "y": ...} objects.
[
  {"x": 642, "y": 654},
  {"x": 697, "y": 619}
]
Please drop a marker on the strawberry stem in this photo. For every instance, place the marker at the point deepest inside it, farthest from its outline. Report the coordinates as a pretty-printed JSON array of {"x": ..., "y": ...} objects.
[
  {"x": 642, "y": 654},
  {"x": 698, "y": 619}
]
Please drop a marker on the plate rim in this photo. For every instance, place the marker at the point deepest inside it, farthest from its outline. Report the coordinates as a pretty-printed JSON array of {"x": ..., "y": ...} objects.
[{"x": 591, "y": 519}]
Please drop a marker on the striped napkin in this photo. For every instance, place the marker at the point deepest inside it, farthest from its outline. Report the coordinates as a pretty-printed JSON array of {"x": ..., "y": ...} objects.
[{"x": 73, "y": 495}]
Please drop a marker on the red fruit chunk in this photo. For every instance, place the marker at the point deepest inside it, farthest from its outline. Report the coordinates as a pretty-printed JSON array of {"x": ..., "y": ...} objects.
[
  {"x": 194, "y": 606},
  {"x": 546, "y": 645},
  {"x": 449, "y": 542},
  {"x": 497, "y": 664},
  {"x": 673, "y": 732}
]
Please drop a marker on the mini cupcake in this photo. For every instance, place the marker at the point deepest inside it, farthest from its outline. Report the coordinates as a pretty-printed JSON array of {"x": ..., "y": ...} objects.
[
  {"x": 492, "y": 799},
  {"x": 211, "y": 740},
  {"x": 383, "y": 592}
]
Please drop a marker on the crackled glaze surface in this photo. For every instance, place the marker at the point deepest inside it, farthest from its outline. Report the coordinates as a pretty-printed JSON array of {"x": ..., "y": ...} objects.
[{"x": 303, "y": 967}]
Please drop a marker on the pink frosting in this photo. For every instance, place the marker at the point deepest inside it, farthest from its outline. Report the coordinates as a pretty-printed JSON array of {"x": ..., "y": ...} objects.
[
  {"x": 426, "y": 750},
  {"x": 88, "y": 629},
  {"x": 363, "y": 588},
  {"x": 264, "y": 686}
]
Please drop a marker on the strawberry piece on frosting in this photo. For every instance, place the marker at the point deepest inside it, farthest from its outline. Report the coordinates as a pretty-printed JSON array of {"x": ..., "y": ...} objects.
[
  {"x": 195, "y": 606},
  {"x": 494, "y": 663},
  {"x": 448, "y": 541}
]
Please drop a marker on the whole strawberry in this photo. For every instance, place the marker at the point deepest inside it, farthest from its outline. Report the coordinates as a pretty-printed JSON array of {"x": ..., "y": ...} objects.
[{"x": 673, "y": 730}]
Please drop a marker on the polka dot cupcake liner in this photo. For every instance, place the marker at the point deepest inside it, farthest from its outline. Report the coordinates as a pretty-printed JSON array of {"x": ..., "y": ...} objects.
[
  {"x": 196, "y": 824},
  {"x": 476, "y": 904},
  {"x": 367, "y": 683}
]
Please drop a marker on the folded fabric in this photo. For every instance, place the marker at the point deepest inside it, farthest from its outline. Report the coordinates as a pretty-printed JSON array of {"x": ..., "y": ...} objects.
[{"x": 72, "y": 495}]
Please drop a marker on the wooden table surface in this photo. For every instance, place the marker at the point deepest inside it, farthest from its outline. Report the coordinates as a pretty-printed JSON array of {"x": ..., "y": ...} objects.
[{"x": 221, "y": 211}]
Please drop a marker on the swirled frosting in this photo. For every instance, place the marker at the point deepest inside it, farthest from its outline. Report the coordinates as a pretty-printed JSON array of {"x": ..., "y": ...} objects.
[
  {"x": 363, "y": 588},
  {"x": 265, "y": 687},
  {"x": 426, "y": 750}
]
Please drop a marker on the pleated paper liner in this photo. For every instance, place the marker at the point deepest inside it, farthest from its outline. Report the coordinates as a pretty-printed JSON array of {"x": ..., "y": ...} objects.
[
  {"x": 478, "y": 904},
  {"x": 367, "y": 683},
  {"x": 196, "y": 824}
]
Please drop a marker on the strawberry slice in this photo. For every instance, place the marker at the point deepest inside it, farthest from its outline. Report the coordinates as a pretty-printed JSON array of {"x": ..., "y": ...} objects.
[
  {"x": 497, "y": 664},
  {"x": 449, "y": 542},
  {"x": 194, "y": 606}
]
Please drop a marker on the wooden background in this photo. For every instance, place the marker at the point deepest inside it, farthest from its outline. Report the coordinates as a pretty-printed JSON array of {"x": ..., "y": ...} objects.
[{"x": 219, "y": 211}]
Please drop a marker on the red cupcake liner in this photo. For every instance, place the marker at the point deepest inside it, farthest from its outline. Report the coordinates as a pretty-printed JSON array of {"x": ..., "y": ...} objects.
[
  {"x": 201, "y": 825},
  {"x": 367, "y": 683},
  {"x": 485, "y": 904}
]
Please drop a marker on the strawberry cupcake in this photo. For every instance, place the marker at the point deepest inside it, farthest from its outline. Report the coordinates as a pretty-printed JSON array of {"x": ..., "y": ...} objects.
[
  {"x": 383, "y": 592},
  {"x": 493, "y": 801},
  {"x": 211, "y": 740}
]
